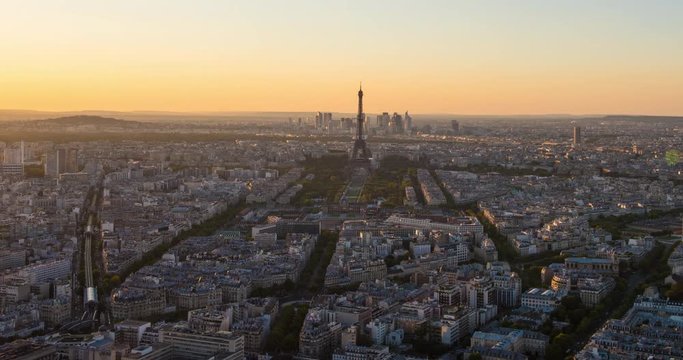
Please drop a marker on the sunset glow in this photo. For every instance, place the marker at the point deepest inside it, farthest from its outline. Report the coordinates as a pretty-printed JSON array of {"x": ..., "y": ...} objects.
[{"x": 464, "y": 57}]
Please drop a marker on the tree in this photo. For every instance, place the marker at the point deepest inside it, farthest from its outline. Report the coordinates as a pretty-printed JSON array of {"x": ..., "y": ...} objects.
[
  {"x": 676, "y": 292},
  {"x": 554, "y": 351},
  {"x": 576, "y": 315},
  {"x": 571, "y": 302},
  {"x": 390, "y": 261},
  {"x": 289, "y": 285}
]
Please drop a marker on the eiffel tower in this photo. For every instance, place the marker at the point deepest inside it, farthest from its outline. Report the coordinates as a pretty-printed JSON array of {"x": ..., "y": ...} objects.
[{"x": 361, "y": 154}]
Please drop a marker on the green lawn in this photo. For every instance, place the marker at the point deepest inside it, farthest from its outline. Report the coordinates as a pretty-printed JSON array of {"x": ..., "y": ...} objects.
[
  {"x": 329, "y": 181},
  {"x": 390, "y": 180}
]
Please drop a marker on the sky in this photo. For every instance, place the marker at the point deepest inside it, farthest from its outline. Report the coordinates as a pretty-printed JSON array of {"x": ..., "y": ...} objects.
[{"x": 451, "y": 56}]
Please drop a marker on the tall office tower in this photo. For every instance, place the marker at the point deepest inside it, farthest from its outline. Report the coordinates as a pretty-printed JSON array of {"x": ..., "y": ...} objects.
[
  {"x": 51, "y": 164},
  {"x": 407, "y": 122},
  {"x": 57, "y": 162},
  {"x": 396, "y": 123},
  {"x": 456, "y": 126},
  {"x": 383, "y": 120},
  {"x": 61, "y": 155},
  {"x": 327, "y": 120},
  {"x": 346, "y": 123},
  {"x": 577, "y": 135},
  {"x": 318, "y": 120},
  {"x": 72, "y": 160}
]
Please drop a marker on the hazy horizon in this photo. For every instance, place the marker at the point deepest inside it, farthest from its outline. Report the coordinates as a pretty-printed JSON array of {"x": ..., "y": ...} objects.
[
  {"x": 151, "y": 115},
  {"x": 95, "y": 112}
]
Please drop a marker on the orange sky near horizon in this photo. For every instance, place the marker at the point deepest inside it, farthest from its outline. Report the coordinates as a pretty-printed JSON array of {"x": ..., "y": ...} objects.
[{"x": 460, "y": 57}]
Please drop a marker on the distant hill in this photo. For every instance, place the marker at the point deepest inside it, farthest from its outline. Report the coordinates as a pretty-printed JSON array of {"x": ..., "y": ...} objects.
[
  {"x": 87, "y": 120},
  {"x": 640, "y": 118}
]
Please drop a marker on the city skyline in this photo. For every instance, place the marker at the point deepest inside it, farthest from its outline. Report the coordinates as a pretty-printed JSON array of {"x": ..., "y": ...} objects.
[
  {"x": 526, "y": 58},
  {"x": 341, "y": 180}
]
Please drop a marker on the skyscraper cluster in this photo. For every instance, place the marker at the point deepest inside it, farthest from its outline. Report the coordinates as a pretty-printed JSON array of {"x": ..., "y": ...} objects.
[
  {"x": 323, "y": 121},
  {"x": 395, "y": 124}
]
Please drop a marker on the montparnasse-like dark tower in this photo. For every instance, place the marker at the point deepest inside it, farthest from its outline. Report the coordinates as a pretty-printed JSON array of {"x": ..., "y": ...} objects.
[{"x": 361, "y": 153}]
